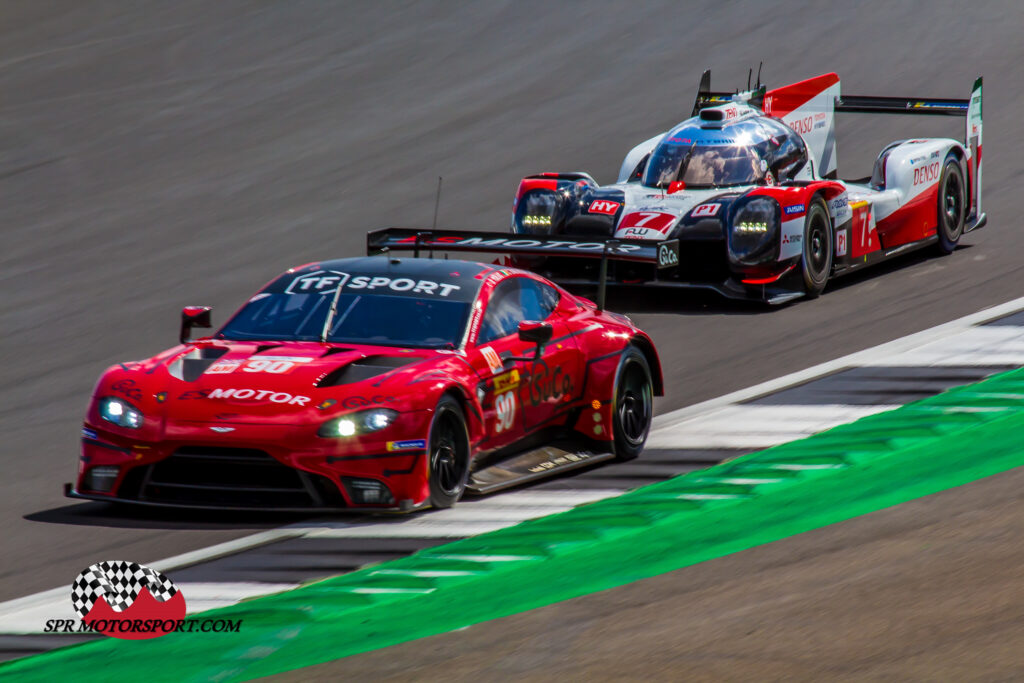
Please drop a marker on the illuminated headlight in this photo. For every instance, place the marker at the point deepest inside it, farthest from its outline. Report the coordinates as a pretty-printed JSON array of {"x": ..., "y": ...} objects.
[
  {"x": 536, "y": 209},
  {"x": 363, "y": 422},
  {"x": 120, "y": 412},
  {"x": 752, "y": 227},
  {"x": 754, "y": 230}
]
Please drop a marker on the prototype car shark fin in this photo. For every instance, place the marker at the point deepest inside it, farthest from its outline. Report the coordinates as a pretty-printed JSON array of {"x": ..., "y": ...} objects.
[{"x": 808, "y": 107}]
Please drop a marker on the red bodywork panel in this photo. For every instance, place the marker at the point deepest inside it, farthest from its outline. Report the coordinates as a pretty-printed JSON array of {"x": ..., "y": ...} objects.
[{"x": 915, "y": 220}]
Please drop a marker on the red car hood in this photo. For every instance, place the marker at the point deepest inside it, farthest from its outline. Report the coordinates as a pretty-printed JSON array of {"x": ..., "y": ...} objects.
[{"x": 278, "y": 383}]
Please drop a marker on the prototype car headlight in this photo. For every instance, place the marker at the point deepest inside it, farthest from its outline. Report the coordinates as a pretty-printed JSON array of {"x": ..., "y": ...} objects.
[
  {"x": 535, "y": 212},
  {"x": 754, "y": 230},
  {"x": 363, "y": 422},
  {"x": 120, "y": 412}
]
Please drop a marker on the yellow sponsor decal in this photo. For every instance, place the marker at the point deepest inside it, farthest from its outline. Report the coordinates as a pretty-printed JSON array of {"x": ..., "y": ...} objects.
[{"x": 510, "y": 380}]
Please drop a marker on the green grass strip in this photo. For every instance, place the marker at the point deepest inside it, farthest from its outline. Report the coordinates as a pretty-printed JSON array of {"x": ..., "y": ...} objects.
[{"x": 935, "y": 444}]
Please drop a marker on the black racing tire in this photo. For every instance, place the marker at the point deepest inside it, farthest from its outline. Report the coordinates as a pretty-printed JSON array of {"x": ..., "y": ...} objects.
[
  {"x": 447, "y": 454},
  {"x": 633, "y": 406},
  {"x": 816, "y": 256},
  {"x": 952, "y": 205}
]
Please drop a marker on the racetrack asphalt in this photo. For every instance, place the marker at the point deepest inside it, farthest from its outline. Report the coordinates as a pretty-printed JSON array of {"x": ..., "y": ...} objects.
[{"x": 155, "y": 155}]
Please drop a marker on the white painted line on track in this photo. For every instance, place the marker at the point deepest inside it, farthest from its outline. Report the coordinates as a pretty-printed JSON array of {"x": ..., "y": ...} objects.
[
  {"x": 221, "y": 549},
  {"x": 996, "y": 345},
  {"x": 539, "y": 498},
  {"x": 757, "y": 426},
  {"x": 425, "y": 573},
  {"x": 485, "y": 559},
  {"x": 490, "y": 513},
  {"x": 411, "y": 529},
  {"x": 866, "y": 357}
]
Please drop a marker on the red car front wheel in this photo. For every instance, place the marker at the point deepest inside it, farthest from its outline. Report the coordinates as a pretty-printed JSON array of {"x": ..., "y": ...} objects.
[{"x": 448, "y": 451}]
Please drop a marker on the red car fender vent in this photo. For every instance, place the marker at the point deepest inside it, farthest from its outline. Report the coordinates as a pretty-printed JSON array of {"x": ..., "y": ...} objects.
[
  {"x": 364, "y": 369},
  {"x": 262, "y": 348},
  {"x": 333, "y": 351},
  {"x": 193, "y": 364}
]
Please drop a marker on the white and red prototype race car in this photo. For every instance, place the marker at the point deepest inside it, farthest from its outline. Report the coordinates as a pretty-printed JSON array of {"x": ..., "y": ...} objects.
[{"x": 748, "y": 187}]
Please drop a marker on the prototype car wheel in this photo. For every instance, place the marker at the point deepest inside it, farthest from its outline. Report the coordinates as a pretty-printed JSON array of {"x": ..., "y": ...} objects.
[
  {"x": 816, "y": 261},
  {"x": 634, "y": 404},
  {"x": 952, "y": 204},
  {"x": 448, "y": 453}
]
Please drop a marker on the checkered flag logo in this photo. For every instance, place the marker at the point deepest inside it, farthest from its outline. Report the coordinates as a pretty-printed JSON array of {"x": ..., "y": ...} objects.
[{"x": 119, "y": 583}]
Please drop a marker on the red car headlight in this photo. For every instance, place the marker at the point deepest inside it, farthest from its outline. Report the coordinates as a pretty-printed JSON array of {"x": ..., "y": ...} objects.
[
  {"x": 363, "y": 422},
  {"x": 120, "y": 412}
]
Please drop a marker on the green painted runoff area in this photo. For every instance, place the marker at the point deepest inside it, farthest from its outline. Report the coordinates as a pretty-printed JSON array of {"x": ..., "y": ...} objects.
[{"x": 956, "y": 437}]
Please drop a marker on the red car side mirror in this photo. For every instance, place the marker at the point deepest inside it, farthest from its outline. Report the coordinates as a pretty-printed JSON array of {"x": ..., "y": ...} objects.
[
  {"x": 193, "y": 316},
  {"x": 534, "y": 332}
]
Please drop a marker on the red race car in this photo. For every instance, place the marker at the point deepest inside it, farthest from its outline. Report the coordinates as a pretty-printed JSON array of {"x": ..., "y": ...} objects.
[{"x": 373, "y": 382}]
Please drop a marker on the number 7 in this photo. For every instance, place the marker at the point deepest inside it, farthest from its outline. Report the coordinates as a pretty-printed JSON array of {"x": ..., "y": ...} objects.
[{"x": 650, "y": 216}]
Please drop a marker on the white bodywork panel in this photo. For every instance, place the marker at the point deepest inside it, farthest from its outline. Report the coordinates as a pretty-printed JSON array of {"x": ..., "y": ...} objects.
[{"x": 635, "y": 155}]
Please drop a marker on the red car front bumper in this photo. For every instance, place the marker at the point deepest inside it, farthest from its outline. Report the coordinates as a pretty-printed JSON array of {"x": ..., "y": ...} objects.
[{"x": 247, "y": 466}]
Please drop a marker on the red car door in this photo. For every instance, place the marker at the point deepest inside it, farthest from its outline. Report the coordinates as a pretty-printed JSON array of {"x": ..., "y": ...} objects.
[
  {"x": 554, "y": 380},
  {"x": 520, "y": 396}
]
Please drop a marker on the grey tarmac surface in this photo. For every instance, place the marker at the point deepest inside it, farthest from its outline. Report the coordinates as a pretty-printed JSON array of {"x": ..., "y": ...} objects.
[{"x": 154, "y": 155}]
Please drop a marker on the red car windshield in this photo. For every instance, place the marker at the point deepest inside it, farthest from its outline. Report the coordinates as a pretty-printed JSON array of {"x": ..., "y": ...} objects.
[{"x": 359, "y": 319}]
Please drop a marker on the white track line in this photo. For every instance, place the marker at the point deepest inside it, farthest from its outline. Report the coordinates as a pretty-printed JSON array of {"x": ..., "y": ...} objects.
[
  {"x": 867, "y": 357},
  {"x": 757, "y": 426},
  {"x": 995, "y": 345}
]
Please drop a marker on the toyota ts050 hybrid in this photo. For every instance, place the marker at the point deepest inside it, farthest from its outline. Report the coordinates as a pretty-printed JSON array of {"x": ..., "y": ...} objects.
[
  {"x": 372, "y": 382},
  {"x": 748, "y": 187}
]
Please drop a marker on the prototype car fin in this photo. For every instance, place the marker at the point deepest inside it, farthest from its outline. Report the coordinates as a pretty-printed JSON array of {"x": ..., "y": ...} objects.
[
  {"x": 703, "y": 90},
  {"x": 808, "y": 107},
  {"x": 707, "y": 98}
]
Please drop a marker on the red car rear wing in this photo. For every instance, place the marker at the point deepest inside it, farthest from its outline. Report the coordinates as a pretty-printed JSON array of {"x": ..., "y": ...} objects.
[{"x": 659, "y": 253}]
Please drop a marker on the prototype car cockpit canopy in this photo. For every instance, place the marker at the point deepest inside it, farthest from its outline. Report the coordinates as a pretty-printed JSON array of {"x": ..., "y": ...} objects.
[{"x": 702, "y": 153}]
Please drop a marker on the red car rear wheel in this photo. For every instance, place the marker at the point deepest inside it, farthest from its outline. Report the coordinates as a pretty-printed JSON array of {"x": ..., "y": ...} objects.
[{"x": 634, "y": 404}]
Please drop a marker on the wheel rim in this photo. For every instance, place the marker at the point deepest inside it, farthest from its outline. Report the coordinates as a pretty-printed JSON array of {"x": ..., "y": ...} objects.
[
  {"x": 817, "y": 249},
  {"x": 952, "y": 203},
  {"x": 634, "y": 404},
  {"x": 444, "y": 455}
]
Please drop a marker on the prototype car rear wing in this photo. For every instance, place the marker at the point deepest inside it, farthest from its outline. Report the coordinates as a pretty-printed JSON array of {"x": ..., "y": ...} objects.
[
  {"x": 662, "y": 254},
  {"x": 969, "y": 108},
  {"x": 870, "y": 104}
]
